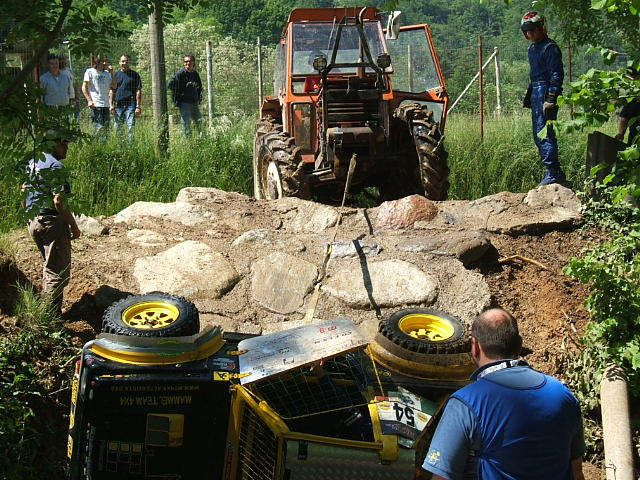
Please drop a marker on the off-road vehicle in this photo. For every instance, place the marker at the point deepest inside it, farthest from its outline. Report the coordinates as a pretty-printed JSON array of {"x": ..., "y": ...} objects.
[{"x": 155, "y": 398}]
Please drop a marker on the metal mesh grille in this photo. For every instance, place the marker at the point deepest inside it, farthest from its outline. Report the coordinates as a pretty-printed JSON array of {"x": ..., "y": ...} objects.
[
  {"x": 257, "y": 450},
  {"x": 346, "y": 383}
]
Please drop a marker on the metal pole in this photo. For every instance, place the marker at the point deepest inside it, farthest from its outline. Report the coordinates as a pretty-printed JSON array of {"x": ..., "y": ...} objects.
[
  {"x": 471, "y": 82},
  {"x": 210, "y": 82},
  {"x": 260, "y": 93},
  {"x": 480, "y": 83},
  {"x": 570, "y": 75},
  {"x": 410, "y": 68},
  {"x": 496, "y": 57}
]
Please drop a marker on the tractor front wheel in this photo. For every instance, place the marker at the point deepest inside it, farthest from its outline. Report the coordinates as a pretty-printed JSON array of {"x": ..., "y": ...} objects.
[{"x": 429, "y": 148}]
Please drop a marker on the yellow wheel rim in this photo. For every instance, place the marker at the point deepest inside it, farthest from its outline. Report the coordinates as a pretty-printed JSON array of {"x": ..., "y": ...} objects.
[
  {"x": 424, "y": 326},
  {"x": 150, "y": 315}
]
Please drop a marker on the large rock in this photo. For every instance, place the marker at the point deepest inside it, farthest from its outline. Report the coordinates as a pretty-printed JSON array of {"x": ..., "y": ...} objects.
[
  {"x": 543, "y": 209},
  {"x": 468, "y": 247},
  {"x": 180, "y": 212},
  {"x": 90, "y": 225},
  {"x": 301, "y": 216},
  {"x": 198, "y": 195},
  {"x": 405, "y": 212},
  {"x": 388, "y": 283},
  {"x": 280, "y": 282},
  {"x": 189, "y": 269}
]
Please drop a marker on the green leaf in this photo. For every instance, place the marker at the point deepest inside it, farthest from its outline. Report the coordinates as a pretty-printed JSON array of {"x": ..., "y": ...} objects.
[{"x": 598, "y": 4}]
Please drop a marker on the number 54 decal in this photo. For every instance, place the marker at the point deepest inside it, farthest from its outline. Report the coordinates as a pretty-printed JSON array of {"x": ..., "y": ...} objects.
[{"x": 399, "y": 418}]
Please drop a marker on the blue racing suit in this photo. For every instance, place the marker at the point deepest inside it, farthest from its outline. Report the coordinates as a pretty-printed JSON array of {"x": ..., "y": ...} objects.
[{"x": 546, "y": 75}]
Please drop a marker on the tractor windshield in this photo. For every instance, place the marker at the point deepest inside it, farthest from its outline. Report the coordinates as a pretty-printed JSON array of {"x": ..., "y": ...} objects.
[{"x": 311, "y": 39}]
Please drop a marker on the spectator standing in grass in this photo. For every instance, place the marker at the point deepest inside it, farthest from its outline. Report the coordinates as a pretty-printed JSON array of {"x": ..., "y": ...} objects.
[
  {"x": 187, "y": 94},
  {"x": 546, "y": 76},
  {"x": 125, "y": 100},
  {"x": 96, "y": 84},
  {"x": 53, "y": 225},
  {"x": 512, "y": 422},
  {"x": 630, "y": 115},
  {"x": 75, "y": 101},
  {"x": 58, "y": 85}
]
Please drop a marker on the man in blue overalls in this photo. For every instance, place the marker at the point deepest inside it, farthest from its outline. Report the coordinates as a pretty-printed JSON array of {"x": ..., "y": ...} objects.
[{"x": 546, "y": 75}]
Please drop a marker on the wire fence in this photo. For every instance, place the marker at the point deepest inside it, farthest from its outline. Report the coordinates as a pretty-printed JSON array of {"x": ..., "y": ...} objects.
[{"x": 235, "y": 81}]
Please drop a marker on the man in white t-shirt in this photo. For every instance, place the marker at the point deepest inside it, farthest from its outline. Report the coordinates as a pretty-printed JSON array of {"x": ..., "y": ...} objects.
[{"x": 96, "y": 84}]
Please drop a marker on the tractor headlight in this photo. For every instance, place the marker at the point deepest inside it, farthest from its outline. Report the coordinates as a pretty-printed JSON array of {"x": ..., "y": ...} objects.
[
  {"x": 384, "y": 60},
  {"x": 320, "y": 63}
]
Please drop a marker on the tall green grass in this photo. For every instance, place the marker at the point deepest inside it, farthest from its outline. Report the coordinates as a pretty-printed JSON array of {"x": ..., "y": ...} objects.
[
  {"x": 507, "y": 159},
  {"x": 108, "y": 176}
]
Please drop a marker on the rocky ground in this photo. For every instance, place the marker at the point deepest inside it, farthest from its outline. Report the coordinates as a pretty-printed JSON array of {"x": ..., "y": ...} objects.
[{"x": 251, "y": 265}]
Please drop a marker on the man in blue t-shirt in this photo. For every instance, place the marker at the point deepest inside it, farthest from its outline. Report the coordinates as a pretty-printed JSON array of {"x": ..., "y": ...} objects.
[
  {"x": 187, "y": 94},
  {"x": 125, "y": 100},
  {"x": 512, "y": 422},
  {"x": 52, "y": 225}
]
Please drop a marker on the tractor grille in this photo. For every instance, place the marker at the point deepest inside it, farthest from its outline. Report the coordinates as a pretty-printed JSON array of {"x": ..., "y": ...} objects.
[
  {"x": 359, "y": 106},
  {"x": 257, "y": 449}
]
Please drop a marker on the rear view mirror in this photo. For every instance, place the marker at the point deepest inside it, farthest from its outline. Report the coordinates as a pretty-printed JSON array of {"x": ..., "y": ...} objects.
[{"x": 393, "y": 25}]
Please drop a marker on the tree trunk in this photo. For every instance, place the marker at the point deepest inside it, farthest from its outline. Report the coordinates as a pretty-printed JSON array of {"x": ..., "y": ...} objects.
[{"x": 158, "y": 78}]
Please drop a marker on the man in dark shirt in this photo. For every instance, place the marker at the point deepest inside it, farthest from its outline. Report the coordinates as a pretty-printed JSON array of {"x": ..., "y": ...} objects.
[
  {"x": 187, "y": 94},
  {"x": 53, "y": 226},
  {"x": 125, "y": 99},
  {"x": 629, "y": 115}
]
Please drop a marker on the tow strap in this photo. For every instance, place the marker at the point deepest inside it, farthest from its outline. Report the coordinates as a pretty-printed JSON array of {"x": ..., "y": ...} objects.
[{"x": 308, "y": 318}]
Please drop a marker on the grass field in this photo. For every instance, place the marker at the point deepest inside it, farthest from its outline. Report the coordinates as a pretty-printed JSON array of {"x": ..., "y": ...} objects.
[{"x": 108, "y": 176}]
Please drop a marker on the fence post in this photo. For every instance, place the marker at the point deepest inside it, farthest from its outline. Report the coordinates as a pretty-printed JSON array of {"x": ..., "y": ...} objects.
[
  {"x": 570, "y": 75},
  {"x": 158, "y": 78},
  {"x": 410, "y": 68},
  {"x": 260, "y": 93},
  {"x": 496, "y": 57},
  {"x": 481, "y": 84},
  {"x": 210, "y": 82}
]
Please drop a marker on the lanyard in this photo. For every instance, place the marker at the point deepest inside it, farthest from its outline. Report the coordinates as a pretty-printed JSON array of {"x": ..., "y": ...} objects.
[{"x": 499, "y": 366}]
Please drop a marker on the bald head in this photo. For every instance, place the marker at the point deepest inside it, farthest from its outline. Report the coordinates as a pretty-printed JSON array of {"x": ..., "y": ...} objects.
[{"x": 497, "y": 332}]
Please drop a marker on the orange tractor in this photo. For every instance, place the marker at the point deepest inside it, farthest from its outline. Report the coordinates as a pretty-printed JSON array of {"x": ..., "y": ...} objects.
[{"x": 346, "y": 88}]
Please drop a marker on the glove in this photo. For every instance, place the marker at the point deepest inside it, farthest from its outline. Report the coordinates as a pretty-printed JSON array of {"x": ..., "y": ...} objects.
[
  {"x": 526, "y": 101},
  {"x": 549, "y": 107}
]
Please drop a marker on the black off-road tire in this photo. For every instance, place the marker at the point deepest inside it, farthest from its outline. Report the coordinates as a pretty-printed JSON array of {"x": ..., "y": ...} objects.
[
  {"x": 429, "y": 148},
  {"x": 274, "y": 148},
  {"x": 154, "y": 314},
  {"x": 424, "y": 343},
  {"x": 263, "y": 126},
  {"x": 423, "y": 330}
]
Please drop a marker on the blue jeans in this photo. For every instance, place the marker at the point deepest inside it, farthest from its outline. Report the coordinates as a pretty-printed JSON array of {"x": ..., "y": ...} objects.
[
  {"x": 189, "y": 111},
  {"x": 101, "y": 120},
  {"x": 125, "y": 115}
]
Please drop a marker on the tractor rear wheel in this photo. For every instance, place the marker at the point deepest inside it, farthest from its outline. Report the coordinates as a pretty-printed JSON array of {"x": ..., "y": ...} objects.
[
  {"x": 429, "y": 148},
  {"x": 277, "y": 165}
]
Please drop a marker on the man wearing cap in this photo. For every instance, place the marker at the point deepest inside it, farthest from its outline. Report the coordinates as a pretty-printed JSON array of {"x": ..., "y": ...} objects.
[
  {"x": 53, "y": 226},
  {"x": 546, "y": 75},
  {"x": 512, "y": 422}
]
